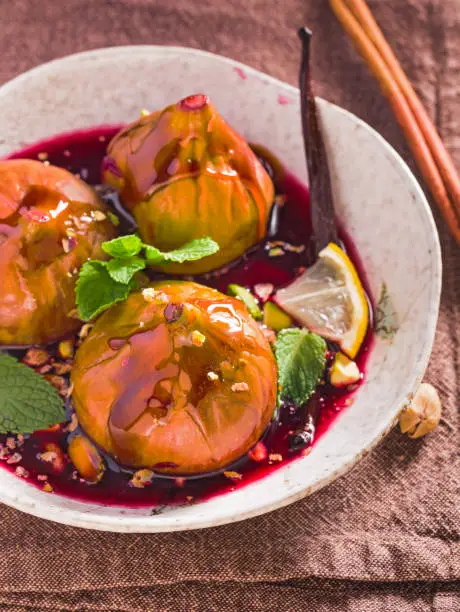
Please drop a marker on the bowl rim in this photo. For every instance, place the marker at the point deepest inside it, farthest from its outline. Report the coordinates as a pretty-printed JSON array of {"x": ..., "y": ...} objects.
[{"x": 144, "y": 524}]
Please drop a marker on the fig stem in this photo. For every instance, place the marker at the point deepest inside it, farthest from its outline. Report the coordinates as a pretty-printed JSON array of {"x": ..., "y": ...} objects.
[{"x": 323, "y": 223}]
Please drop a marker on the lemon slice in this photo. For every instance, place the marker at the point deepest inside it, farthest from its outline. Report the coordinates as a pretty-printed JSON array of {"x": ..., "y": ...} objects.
[{"x": 329, "y": 299}]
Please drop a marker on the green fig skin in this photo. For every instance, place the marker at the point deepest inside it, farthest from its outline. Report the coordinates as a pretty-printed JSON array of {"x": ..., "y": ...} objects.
[{"x": 184, "y": 173}]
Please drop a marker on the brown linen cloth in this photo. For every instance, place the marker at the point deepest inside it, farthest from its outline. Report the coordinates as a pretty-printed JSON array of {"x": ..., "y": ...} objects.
[{"x": 381, "y": 538}]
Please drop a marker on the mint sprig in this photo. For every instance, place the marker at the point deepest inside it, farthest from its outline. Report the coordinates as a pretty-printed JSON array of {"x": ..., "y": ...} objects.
[
  {"x": 301, "y": 358},
  {"x": 103, "y": 283},
  {"x": 28, "y": 402},
  {"x": 191, "y": 251},
  {"x": 96, "y": 290}
]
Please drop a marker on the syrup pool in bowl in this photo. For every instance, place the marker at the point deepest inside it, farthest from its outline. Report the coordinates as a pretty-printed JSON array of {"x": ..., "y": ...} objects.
[{"x": 82, "y": 153}]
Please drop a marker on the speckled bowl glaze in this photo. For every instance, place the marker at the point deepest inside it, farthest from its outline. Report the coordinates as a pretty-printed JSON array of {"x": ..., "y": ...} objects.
[{"x": 377, "y": 199}]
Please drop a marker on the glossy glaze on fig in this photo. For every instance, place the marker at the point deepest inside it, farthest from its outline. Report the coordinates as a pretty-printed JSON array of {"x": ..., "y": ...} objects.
[
  {"x": 180, "y": 380},
  {"x": 184, "y": 173},
  {"x": 50, "y": 223}
]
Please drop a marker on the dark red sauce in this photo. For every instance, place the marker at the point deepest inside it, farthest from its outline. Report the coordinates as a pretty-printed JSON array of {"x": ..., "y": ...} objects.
[{"x": 82, "y": 153}]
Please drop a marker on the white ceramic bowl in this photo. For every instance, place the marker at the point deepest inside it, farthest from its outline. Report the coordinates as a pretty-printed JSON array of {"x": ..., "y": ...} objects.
[{"x": 376, "y": 196}]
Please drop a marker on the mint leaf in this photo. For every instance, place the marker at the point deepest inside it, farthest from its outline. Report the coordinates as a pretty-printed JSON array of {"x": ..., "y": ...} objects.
[
  {"x": 124, "y": 246},
  {"x": 301, "y": 358},
  {"x": 96, "y": 290},
  {"x": 123, "y": 270},
  {"x": 153, "y": 255},
  {"x": 191, "y": 251},
  {"x": 103, "y": 283},
  {"x": 27, "y": 400}
]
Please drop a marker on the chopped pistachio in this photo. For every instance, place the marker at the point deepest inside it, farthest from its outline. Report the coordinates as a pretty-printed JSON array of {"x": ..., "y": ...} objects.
[
  {"x": 275, "y": 318},
  {"x": 99, "y": 215},
  {"x": 343, "y": 371},
  {"x": 141, "y": 478},
  {"x": 66, "y": 348},
  {"x": 231, "y": 475},
  {"x": 198, "y": 339}
]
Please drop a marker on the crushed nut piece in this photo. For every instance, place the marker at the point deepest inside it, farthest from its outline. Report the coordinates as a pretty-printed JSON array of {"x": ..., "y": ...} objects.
[
  {"x": 212, "y": 376},
  {"x": 241, "y": 386},
  {"x": 61, "y": 368},
  {"x": 36, "y": 357},
  {"x": 141, "y": 478},
  {"x": 20, "y": 439},
  {"x": 84, "y": 331},
  {"x": 179, "y": 482},
  {"x": 4, "y": 453},
  {"x": 344, "y": 371},
  {"x": 47, "y": 488},
  {"x": 189, "y": 498},
  {"x": 42, "y": 477},
  {"x": 15, "y": 458},
  {"x": 42, "y": 156},
  {"x": 73, "y": 314},
  {"x": 66, "y": 153},
  {"x": 66, "y": 245},
  {"x": 113, "y": 218},
  {"x": 45, "y": 369},
  {"x": 173, "y": 312},
  {"x": 275, "y": 457},
  {"x": 99, "y": 215},
  {"x": 48, "y": 456},
  {"x": 72, "y": 426},
  {"x": 423, "y": 413},
  {"x": 292, "y": 248},
  {"x": 144, "y": 112},
  {"x": 21, "y": 472},
  {"x": 66, "y": 348},
  {"x": 263, "y": 291},
  {"x": 149, "y": 294},
  {"x": 198, "y": 339},
  {"x": 11, "y": 443},
  {"x": 233, "y": 475},
  {"x": 101, "y": 138},
  {"x": 69, "y": 390},
  {"x": 161, "y": 298},
  {"x": 59, "y": 383},
  {"x": 275, "y": 252}
]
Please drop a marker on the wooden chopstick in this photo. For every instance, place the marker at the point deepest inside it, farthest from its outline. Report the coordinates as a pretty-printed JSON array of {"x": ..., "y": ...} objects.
[{"x": 427, "y": 147}]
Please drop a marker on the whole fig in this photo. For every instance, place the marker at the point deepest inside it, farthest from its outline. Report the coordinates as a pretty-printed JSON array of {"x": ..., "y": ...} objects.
[{"x": 184, "y": 173}]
